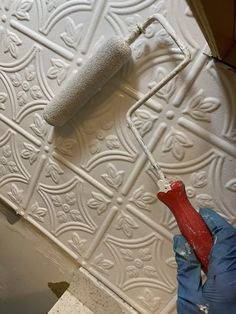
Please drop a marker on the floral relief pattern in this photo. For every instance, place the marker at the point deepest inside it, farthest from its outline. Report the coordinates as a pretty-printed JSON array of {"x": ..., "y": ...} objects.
[
  {"x": 111, "y": 142},
  {"x": 66, "y": 208},
  {"x": 199, "y": 179},
  {"x": 7, "y": 164},
  {"x": 95, "y": 147},
  {"x": 30, "y": 152},
  {"x": 72, "y": 34},
  {"x": 53, "y": 171},
  {"x": 99, "y": 138},
  {"x": 139, "y": 267},
  {"x": 137, "y": 259},
  {"x": 10, "y": 41},
  {"x": 161, "y": 38},
  {"x": 143, "y": 199},
  {"x": 39, "y": 126},
  {"x": 38, "y": 212},
  {"x": 150, "y": 301},
  {"x": 52, "y": 4},
  {"x": 22, "y": 10},
  {"x": 204, "y": 201},
  {"x": 29, "y": 90},
  {"x": 113, "y": 177},
  {"x": 3, "y": 98},
  {"x": 159, "y": 7},
  {"x": 176, "y": 142},
  {"x": 58, "y": 71},
  {"x": 231, "y": 185},
  {"x": 199, "y": 107},
  {"x": 231, "y": 136},
  {"x": 77, "y": 244},
  {"x": 102, "y": 264},
  {"x": 191, "y": 192},
  {"x": 66, "y": 146},
  {"x": 143, "y": 121},
  {"x": 16, "y": 194},
  {"x": 127, "y": 224},
  {"x": 98, "y": 202},
  {"x": 166, "y": 91}
]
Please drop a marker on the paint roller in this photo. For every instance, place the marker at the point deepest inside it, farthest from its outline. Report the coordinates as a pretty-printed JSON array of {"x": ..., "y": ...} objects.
[{"x": 93, "y": 75}]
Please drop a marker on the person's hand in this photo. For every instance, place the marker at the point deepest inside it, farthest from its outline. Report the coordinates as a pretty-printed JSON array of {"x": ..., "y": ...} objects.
[{"x": 218, "y": 294}]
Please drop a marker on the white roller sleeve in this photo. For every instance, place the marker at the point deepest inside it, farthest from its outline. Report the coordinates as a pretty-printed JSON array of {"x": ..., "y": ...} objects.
[{"x": 92, "y": 76}]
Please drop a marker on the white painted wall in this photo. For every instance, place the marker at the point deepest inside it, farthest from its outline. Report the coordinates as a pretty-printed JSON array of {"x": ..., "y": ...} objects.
[{"x": 87, "y": 185}]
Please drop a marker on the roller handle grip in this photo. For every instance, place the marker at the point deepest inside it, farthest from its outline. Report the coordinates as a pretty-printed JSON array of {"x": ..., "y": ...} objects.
[{"x": 190, "y": 223}]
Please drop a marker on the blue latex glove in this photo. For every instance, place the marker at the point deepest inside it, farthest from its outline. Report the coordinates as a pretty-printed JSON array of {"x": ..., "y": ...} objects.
[{"x": 218, "y": 294}]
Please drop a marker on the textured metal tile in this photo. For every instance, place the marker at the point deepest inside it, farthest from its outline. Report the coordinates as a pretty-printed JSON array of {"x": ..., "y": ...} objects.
[{"x": 87, "y": 185}]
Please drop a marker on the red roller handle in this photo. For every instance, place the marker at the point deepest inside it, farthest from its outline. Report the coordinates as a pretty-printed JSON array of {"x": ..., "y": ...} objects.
[{"x": 190, "y": 223}]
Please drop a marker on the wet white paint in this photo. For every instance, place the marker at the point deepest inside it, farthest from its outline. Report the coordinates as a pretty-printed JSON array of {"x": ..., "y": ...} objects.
[{"x": 204, "y": 308}]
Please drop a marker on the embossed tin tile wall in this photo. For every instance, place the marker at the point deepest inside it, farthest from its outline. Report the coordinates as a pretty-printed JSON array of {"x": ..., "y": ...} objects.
[{"x": 87, "y": 185}]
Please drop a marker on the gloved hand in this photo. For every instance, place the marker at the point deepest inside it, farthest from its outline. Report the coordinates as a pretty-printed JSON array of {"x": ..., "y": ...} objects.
[{"x": 218, "y": 294}]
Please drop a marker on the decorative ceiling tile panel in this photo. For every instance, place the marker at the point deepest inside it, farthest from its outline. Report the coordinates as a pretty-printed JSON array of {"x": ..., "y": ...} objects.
[{"x": 88, "y": 185}]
